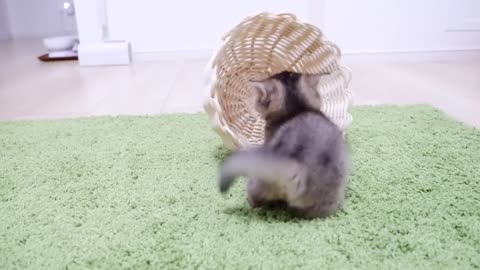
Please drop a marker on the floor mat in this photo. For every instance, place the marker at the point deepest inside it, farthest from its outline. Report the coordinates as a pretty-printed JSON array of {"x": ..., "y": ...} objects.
[{"x": 141, "y": 193}]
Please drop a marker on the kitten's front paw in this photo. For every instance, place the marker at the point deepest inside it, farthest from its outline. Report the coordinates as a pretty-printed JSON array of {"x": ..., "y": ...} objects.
[
  {"x": 254, "y": 193},
  {"x": 256, "y": 202},
  {"x": 253, "y": 203}
]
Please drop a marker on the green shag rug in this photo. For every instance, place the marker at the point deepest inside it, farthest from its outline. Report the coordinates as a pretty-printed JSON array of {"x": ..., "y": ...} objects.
[{"x": 141, "y": 193}]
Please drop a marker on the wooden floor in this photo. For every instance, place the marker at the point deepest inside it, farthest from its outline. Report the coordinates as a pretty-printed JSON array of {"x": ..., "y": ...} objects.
[{"x": 30, "y": 89}]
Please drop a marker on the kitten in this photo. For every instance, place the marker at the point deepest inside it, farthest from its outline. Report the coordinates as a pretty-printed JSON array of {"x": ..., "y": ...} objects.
[{"x": 304, "y": 161}]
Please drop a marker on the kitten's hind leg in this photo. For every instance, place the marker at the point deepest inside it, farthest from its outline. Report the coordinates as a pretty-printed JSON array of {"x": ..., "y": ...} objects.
[
  {"x": 262, "y": 194},
  {"x": 296, "y": 188},
  {"x": 291, "y": 189}
]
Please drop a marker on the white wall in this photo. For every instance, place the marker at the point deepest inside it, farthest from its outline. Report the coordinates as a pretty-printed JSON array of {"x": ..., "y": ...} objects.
[
  {"x": 400, "y": 25},
  {"x": 183, "y": 25},
  {"x": 357, "y": 26},
  {"x": 4, "y": 27},
  {"x": 88, "y": 21},
  {"x": 38, "y": 18},
  {"x": 463, "y": 15}
]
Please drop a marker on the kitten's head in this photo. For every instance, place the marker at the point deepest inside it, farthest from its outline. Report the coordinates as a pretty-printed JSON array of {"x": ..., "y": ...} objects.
[{"x": 285, "y": 94}]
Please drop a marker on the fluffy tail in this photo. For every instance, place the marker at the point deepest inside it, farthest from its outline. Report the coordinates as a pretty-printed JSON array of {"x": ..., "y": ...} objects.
[{"x": 265, "y": 166}]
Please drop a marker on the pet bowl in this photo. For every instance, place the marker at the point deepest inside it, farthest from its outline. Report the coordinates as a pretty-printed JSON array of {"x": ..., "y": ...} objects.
[{"x": 62, "y": 43}]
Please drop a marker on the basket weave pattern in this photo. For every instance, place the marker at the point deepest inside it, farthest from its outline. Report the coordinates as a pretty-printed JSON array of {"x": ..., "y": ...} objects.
[{"x": 258, "y": 48}]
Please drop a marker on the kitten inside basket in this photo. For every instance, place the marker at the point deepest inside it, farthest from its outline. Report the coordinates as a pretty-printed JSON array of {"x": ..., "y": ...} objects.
[{"x": 304, "y": 161}]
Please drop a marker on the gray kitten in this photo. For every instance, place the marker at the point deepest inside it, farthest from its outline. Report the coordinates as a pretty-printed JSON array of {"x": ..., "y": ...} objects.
[{"x": 304, "y": 162}]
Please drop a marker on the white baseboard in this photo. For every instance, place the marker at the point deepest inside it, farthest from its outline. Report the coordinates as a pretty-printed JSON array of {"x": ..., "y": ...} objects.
[
  {"x": 141, "y": 57},
  {"x": 104, "y": 53},
  {"x": 411, "y": 56},
  {"x": 347, "y": 57}
]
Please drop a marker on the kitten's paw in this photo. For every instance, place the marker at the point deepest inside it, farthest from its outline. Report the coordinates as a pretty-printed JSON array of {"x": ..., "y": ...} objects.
[{"x": 254, "y": 203}]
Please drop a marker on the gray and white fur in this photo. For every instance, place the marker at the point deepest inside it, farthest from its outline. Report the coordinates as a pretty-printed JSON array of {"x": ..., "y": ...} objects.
[{"x": 304, "y": 161}]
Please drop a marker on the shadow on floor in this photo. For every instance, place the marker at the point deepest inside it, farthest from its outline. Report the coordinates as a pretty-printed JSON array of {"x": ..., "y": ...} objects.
[{"x": 271, "y": 214}]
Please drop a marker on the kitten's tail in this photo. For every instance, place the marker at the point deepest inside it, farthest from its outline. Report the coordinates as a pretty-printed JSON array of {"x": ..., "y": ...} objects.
[{"x": 263, "y": 165}]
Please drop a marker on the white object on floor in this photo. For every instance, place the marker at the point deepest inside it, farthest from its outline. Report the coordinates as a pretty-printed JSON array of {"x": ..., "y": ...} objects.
[
  {"x": 61, "y": 43},
  {"x": 60, "y": 54}
]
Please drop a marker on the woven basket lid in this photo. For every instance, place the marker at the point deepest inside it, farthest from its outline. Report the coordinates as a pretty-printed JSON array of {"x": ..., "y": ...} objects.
[{"x": 257, "y": 48}]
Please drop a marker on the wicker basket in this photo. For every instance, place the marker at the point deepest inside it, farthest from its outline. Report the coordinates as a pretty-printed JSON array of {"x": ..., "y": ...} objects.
[{"x": 257, "y": 48}]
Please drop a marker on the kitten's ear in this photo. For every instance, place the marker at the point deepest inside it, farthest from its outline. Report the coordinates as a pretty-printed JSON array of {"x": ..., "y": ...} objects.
[
  {"x": 308, "y": 85},
  {"x": 310, "y": 80},
  {"x": 260, "y": 88},
  {"x": 264, "y": 90}
]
